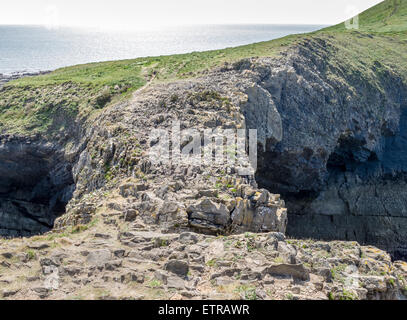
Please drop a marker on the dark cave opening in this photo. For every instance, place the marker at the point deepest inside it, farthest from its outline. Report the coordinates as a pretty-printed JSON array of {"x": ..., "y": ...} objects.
[
  {"x": 362, "y": 197},
  {"x": 36, "y": 183}
]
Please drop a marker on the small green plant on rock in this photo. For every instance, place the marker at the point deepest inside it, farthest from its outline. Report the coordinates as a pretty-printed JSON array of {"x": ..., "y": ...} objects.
[
  {"x": 279, "y": 260},
  {"x": 31, "y": 254},
  {"x": 174, "y": 98},
  {"x": 403, "y": 284},
  {"x": 212, "y": 263},
  {"x": 336, "y": 272},
  {"x": 108, "y": 173},
  {"x": 238, "y": 244},
  {"x": 237, "y": 257},
  {"x": 392, "y": 282},
  {"x": 160, "y": 242},
  {"x": 155, "y": 283},
  {"x": 347, "y": 295},
  {"x": 78, "y": 229},
  {"x": 250, "y": 245},
  {"x": 249, "y": 293}
]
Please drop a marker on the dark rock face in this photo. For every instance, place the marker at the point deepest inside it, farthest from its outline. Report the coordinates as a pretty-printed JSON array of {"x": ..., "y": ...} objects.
[
  {"x": 35, "y": 185},
  {"x": 341, "y": 160}
]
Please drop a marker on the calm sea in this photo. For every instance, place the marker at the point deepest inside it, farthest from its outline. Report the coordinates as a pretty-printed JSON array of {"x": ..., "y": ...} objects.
[{"x": 32, "y": 48}]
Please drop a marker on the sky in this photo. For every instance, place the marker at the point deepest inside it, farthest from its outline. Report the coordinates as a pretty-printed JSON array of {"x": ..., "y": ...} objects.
[{"x": 135, "y": 14}]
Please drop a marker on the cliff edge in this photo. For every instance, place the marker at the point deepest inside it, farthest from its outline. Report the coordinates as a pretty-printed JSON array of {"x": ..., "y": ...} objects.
[{"x": 86, "y": 213}]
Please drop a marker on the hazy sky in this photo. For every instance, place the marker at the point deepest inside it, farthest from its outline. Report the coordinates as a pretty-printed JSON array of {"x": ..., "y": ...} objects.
[{"x": 128, "y": 14}]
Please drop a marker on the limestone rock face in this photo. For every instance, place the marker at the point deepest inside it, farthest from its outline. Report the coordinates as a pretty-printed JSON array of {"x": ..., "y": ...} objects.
[
  {"x": 331, "y": 142},
  {"x": 339, "y": 161},
  {"x": 259, "y": 211},
  {"x": 209, "y": 215},
  {"x": 261, "y": 113}
]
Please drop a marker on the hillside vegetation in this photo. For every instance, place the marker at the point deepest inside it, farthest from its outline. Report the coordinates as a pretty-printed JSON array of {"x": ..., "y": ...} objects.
[
  {"x": 30, "y": 104},
  {"x": 387, "y": 16}
]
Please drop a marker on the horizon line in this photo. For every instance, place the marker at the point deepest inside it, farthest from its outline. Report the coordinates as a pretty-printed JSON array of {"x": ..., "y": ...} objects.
[{"x": 163, "y": 25}]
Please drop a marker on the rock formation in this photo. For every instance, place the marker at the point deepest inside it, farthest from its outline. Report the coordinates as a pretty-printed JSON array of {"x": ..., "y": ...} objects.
[{"x": 112, "y": 223}]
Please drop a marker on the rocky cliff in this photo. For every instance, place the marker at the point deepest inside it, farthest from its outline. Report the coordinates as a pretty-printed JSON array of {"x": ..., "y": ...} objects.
[
  {"x": 340, "y": 164},
  {"x": 102, "y": 220}
]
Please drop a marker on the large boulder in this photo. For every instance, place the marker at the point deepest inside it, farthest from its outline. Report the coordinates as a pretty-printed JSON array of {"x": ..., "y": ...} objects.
[{"x": 258, "y": 211}]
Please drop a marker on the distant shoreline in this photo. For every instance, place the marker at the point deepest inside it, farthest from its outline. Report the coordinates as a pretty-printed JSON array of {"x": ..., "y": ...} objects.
[
  {"x": 4, "y": 78},
  {"x": 25, "y": 48}
]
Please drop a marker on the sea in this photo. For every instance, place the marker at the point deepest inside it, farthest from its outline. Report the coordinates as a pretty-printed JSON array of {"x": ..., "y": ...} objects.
[{"x": 37, "y": 48}]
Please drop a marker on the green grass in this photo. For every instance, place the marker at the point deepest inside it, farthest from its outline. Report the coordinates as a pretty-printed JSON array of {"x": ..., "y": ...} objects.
[
  {"x": 347, "y": 295},
  {"x": 387, "y": 16},
  {"x": 155, "y": 283},
  {"x": 248, "y": 292},
  {"x": 134, "y": 73},
  {"x": 50, "y": 103},
  {"x": 30, "y": 254},
  {"x": 212, "y": 263}
]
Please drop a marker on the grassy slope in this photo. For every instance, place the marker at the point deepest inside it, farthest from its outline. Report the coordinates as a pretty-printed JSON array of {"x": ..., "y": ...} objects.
[
  {"x": 387, "y": 16},
  {"x": 28, "y": 105}
]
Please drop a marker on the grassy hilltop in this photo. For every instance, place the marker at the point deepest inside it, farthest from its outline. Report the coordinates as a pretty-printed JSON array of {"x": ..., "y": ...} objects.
[
  {"x": 387, "y": 16},
  {"x": 31, "y": 104}
]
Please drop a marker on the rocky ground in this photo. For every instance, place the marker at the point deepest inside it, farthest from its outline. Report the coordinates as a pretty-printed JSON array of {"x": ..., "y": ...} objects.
[{"x": 114, "y": 259}]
